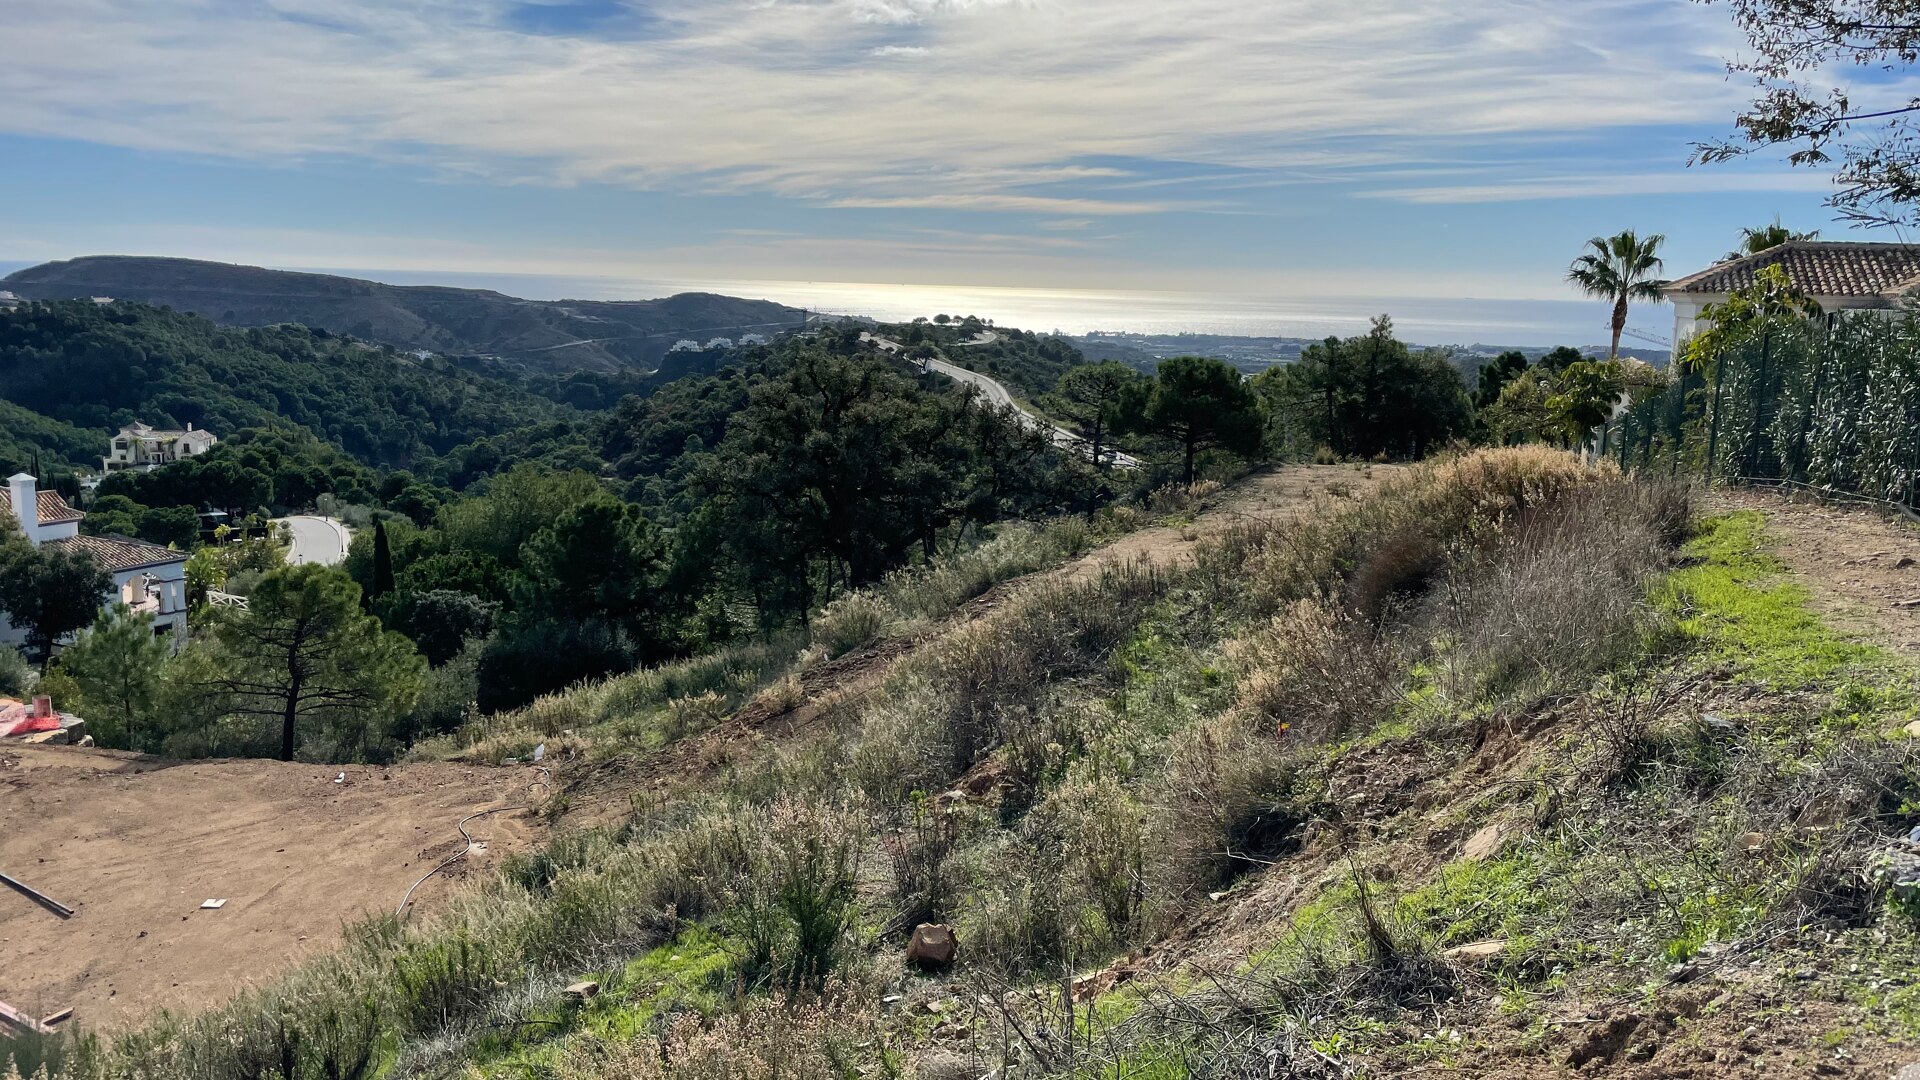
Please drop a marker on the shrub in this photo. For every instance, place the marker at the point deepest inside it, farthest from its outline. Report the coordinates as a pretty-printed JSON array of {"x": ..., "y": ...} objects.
[
  {"x": 1563, "y": 594},
  {"x": 926, "y": 880},
  {"x": 990, "y": 674},
  {"x": 798, "y": 905},
  {"x": 1019, "y": 917},
  {"x": 16, "y": 680},
  {"x": 1315, "y": 673},
  {"x": 1232, "y": 800},
  {"x": 1100, "y": 826},
  {"x": 849, "y": 622}
]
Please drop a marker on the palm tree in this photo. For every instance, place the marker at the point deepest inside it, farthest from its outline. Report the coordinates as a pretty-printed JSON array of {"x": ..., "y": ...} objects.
[
  {"x": 1620, "y": 268},
  {"x": 1755, "y": 241}
]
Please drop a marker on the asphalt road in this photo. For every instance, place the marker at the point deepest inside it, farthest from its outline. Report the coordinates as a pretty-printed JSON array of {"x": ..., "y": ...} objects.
[
  {"x": 316, "y": 539},
  {"x": 997, "y": 394}
]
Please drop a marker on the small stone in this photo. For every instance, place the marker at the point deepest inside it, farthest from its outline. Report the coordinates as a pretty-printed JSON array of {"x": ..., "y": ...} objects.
[
  {"x": 932, "y": 947},
  {"x": 1750, "y": 843},
  {"x": 1904, "y": 562},
  {"x": 1477, "y": 951},
  {"x": 1483, "y": 845},
  {"x": 581, "y": 992}
]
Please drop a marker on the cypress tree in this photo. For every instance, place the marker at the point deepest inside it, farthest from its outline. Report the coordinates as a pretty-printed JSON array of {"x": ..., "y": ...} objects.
[{"x": 382, "y": 562}]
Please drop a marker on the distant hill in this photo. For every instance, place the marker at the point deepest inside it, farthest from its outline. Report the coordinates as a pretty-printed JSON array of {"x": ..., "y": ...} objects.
[
  {"x": 558, "y": 335},
  {"x": 72, "y": 371}
]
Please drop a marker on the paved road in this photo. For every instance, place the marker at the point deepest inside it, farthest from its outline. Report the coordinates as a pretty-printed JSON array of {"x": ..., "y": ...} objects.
[
  {"x": 998, "y": 395},
  {"x": 316, "y": 539}
]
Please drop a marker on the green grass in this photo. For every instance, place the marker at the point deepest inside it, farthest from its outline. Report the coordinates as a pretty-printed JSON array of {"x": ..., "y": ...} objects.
[
  {"x": 1733, "y": 602},
  {"x": 694, "y": 972}
]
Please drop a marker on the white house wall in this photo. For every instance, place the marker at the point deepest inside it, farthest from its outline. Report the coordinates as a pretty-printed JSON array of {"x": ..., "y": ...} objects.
[{"x": 1687, "y": 311}]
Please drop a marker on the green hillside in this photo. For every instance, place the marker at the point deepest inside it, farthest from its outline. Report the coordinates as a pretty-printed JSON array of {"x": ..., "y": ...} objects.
[
  {"x": 564, "y": 335},
  {"x": 91, "y": 366}
]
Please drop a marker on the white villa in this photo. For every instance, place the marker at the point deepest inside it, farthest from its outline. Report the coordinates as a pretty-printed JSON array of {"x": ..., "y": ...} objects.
[
  {"x": 146, "y": 577},
  {"x": 1840, "y": 276},
  {"x": 138, "y": 446}
]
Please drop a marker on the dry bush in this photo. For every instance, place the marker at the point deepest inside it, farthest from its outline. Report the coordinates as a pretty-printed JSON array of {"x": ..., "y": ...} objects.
[
  {"x": 1560, "y": 596},
  {"x": 926, "y": 878},
  {"x": 796, "y": 905},
  {"x": 1019, "y": 916},
  {"x": 901, "y": 745},
  {"x": 1399, "y": 566},
  {"x": 686, "y": 715},
  {"x": 1315, "y": 673},
  {"x": 1391, "y": 544},
  {"x": 1182, "y": 498},
  {"x": 849, "y": 622},
  {"x": 1100, "y": 830},
  {"x": 991, "y": 674},
  {"x": 933, "y": 590},
  {"x": 1232, "y": 800}
]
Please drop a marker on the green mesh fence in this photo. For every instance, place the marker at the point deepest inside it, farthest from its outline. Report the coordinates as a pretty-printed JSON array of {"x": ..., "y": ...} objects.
[{"x": 1833, "y": 402}]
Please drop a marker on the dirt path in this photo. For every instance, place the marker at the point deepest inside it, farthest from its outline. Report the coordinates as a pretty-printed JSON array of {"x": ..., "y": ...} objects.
[
  {"x": 1276, "y": 495},
  {"x": 1862, "y": 566},
  {"x": 600, "y": 792},
  {"x": 135, "y": 844}
]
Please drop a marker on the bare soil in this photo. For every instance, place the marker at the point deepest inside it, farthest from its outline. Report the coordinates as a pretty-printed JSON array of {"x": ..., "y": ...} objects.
[
  {"x": 1862, "y": 565},
  {"x": 135, "y": 844}
]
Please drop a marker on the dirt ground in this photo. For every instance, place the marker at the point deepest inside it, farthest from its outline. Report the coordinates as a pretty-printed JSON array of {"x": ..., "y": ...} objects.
[
  {"x": 135, "y": 844},
  {"x": 1861, "y": 565}
]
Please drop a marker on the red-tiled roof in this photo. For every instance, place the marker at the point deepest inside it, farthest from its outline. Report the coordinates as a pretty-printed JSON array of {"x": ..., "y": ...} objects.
[
  {"x": 52, "y": 508},
  {"x": 117, "y": 553},
  {"x": 1818, "y": 267}
]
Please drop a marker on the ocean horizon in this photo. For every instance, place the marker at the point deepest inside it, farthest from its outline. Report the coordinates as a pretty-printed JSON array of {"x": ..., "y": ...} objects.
[
  {"x": 1423, "y": 320},
  {"x": 1420, "y": 320}
]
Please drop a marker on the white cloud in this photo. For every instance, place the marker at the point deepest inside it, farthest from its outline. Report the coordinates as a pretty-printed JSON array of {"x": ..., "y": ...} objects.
[
  {"x": 1029, "y": 204},
  {"x": 1001, "y": 98},
  {"x": 1608, "y": 184}
]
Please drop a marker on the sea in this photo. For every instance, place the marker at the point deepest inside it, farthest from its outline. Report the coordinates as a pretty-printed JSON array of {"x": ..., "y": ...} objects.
[
  {"x": 1425, "y": 320},
  {"x": 1462, "y": 321}
]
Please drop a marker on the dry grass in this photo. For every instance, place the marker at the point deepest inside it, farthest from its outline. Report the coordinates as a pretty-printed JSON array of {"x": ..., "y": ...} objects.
[{"x": 1316, "y": 672}]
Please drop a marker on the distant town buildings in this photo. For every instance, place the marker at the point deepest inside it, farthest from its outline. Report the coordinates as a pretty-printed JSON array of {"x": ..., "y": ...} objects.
[{"x": 138, "y": 446}]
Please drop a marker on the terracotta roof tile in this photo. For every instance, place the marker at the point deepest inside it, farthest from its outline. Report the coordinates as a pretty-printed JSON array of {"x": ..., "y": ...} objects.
[
  {"x": 1820, "y": 267},
  {"x": 117, "y": 553},
  {"x": 52, "y": 508}
]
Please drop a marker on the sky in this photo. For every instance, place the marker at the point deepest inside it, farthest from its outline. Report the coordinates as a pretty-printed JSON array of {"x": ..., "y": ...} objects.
[{"x": 1298, "y": 148}]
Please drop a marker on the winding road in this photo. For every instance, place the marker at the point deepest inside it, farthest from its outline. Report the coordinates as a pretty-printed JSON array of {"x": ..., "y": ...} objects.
[
  {"x": 316, "y": 539},
  {"x": 997, "y": 394}
]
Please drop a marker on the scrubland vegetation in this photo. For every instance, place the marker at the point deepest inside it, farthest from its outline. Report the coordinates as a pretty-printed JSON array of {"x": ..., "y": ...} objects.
[{"x": 1217, "y": 811}]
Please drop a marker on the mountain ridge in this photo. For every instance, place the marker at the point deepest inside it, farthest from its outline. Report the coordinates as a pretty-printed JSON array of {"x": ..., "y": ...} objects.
[{"x": 554, "y": 335}]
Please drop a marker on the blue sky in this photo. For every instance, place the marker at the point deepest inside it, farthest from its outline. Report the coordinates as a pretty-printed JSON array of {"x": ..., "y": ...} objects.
[{"x": 1288, "y": 147}]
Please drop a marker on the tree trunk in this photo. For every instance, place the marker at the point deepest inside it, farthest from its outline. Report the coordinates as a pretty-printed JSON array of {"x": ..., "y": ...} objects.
[
  {"x": 1619, "y": 324},
  {"x": 291, "y": 714},
  {"x": 287, "y": 719},
  {"x": 1192, "y": 449}
]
